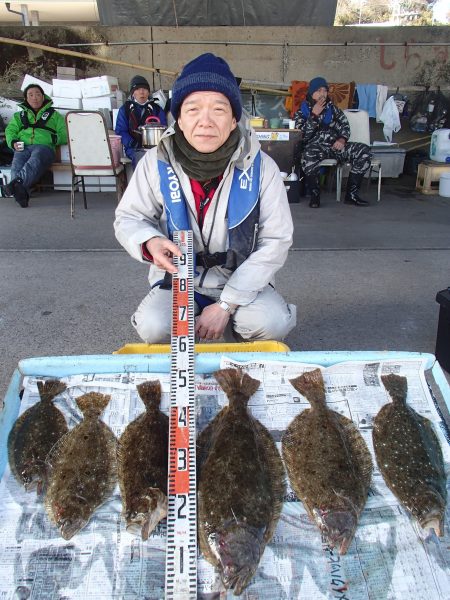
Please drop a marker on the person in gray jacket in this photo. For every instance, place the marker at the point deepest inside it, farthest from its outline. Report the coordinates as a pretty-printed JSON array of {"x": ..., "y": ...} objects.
[{"x": 208, "y": 174}]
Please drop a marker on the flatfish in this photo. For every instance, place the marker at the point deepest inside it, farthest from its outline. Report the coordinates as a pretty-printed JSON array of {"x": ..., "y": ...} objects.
[
  {"x": 33, "y": 435},
  {"x": 240, "y": 485},
  {"x": 82, "y": 468},
  {"x": 409, "y": 457},
  {"x": 142, "y": 464},
  {"x": 328, "y": 463}
]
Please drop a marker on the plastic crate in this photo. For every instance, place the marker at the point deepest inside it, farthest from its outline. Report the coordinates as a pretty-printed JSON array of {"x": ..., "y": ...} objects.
[{"x": 218, "y": 347}]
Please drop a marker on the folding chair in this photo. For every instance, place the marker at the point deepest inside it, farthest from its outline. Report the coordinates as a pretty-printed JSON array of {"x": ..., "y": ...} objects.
[
  {"x": 359, "y": 132},
  {"x": 90, "y": 153}
]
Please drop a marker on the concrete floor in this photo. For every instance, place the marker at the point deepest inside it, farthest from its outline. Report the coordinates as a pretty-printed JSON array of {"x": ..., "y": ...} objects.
[{"x": 362, "y": 278}]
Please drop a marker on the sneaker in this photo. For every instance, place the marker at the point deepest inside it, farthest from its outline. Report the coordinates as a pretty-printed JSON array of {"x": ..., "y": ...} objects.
[{"x": 21, "y": 194}]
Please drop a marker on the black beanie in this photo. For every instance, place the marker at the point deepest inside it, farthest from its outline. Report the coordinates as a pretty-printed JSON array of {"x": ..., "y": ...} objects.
[
  {"x": 139, "y": 82},
  {"x": 206, "y": 73}
]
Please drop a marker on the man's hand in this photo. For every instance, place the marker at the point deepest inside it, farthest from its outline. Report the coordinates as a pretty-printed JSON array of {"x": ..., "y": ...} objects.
[
  {"x": 211, "y": 324},
  {"x": 318, "y": 107},
  {"x": 162, "y": 251},
  {"x": 339, "y": 144}
]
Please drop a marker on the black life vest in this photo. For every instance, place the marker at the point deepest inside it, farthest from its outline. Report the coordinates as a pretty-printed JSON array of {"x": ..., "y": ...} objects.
[
  {"x": 41, "y": 123},
  {"x": 134, "y": 121}
]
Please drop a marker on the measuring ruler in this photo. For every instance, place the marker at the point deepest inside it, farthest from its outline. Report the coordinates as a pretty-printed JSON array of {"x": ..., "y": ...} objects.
[{"x": 181, "y": 550}]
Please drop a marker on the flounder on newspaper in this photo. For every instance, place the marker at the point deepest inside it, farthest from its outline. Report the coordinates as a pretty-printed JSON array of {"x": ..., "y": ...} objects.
[
  {"x": 34, "y": 434},
  {"x": 82, "y": 468},
  {"x": 328, "y": 463},
  {"x": 241, "y": 485},
  {"x": 409, "y": 457},
  {"x": 142, "y": 463}
]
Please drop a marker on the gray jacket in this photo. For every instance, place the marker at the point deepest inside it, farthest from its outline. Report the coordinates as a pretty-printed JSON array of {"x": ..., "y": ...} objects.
[{"x": 140, "y": 216}]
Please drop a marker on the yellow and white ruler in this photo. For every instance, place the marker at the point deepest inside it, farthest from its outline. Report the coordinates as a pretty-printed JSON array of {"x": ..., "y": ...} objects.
[{"x": 181, "y": 553}]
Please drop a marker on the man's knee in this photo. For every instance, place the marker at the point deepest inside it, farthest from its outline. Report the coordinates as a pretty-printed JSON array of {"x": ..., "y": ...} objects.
[
  {"x": 268, "y": 325},
  {"x": 151, "y": 329}
]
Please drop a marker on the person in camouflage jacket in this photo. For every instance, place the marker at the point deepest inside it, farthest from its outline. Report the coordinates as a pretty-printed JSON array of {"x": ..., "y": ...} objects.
[{"x": 326, "y": 132}]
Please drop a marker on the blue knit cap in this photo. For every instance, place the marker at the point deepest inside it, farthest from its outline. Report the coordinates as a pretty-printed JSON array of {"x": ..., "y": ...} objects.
[
  {"x": 205, "y": 73},
  {"x": 315, "y": 84}
]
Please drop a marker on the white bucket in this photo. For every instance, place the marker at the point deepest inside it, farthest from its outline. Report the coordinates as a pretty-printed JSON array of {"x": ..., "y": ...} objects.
[{"x": 444, "y": 185}]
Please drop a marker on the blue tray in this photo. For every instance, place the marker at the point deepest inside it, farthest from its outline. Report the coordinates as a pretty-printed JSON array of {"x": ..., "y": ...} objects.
[{"x": 61, "y": 366}]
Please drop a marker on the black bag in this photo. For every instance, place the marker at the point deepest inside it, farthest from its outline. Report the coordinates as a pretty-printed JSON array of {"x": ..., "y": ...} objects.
[
  {"x": 429, "y": 111},
  {"x": 438, "y": 117}
]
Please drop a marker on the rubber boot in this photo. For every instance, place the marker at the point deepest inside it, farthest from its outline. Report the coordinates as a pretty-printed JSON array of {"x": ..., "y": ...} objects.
[
  {"x": 353, "y": 185},
  {"x": 312, "y": 181}
]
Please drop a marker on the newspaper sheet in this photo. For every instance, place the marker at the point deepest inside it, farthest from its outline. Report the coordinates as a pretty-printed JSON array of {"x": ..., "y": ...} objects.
[{"x": 389, "y": 558}]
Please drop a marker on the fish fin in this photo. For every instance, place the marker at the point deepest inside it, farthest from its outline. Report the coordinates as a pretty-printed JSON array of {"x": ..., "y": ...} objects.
[
  {"x": 53, "y": 455},
  {"x": 277, "y": 477},
  {"x": 93, "y": 403},
  {"x": 357, "y": 447},
  {"x": 310, "y": 384},
  {"x": 48, "y": 390},
  {"x": 150, "y": 393},
  {"x": 205, "y": 439},
  {"x": 396, "y": 386},
  {"x": 235, "y": 380}
]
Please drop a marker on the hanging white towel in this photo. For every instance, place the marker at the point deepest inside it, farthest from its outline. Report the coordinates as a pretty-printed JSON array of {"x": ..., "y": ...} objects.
[
  {"x": 390, "y": 118},
  {"x": 382, "y": 91}
]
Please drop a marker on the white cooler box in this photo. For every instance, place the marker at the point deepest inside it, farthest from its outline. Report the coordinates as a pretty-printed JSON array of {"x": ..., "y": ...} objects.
[
  {"x": 5, "y": 177},
  {"x": 392, "y": 160}
]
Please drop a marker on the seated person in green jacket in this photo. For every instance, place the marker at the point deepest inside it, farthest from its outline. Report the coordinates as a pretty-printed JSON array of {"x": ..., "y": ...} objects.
[{"x": 33, "y": 133}]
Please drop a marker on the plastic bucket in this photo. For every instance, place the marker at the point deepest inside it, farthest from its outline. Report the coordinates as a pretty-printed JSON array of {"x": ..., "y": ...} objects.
[
  {"x": 116, "y": 148},
  {"x": 440, "y": 145},
  {"x": 444, "y": 185}
]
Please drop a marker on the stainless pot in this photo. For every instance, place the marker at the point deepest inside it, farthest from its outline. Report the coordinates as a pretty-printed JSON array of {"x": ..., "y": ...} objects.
[{"x": 151, "y": 133}]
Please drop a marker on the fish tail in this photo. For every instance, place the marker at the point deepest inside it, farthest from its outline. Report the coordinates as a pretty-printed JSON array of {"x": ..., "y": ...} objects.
[
  {"x": 396, "y": 386},
  {"x": 93, "y": 403},
  {"x": 48, "y": 390},
  {"x": 311, "y": 385},
  {"x": 234, "y": 381},
  {"x": 150, "y": 393}
]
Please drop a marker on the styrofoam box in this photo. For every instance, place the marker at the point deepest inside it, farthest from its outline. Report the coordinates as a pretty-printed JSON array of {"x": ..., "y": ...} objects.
[
  {"x": 48, "y": 89},
  {"x": 98, "y": 86},
  {"x": 62, "y": 180},
  {"x": 115, "y": 112},
  {"x": 107, "y": 184},
  {"x": 66, "y": 88},
  {"x": 65, "y": 154},
  {"x": 392, "y": 160},
  {"x": 109, "y": 102},
  {"x": 7, "y": 109},
  {"x": 120, "y": 97},
  {"x": 72, "y": 103},
  {"x": 5, "y": 177}
]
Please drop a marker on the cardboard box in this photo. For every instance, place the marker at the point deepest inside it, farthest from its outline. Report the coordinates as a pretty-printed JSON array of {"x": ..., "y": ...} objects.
[
  {"x": 108, "y": 102},
  {"x": 99, "y": 86},
  {"x": 68, "y": 103},
  {"x": 69, "y": 73},
  {"x": 65, "y": 88},
  {"x": 47, "y": 87}
]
